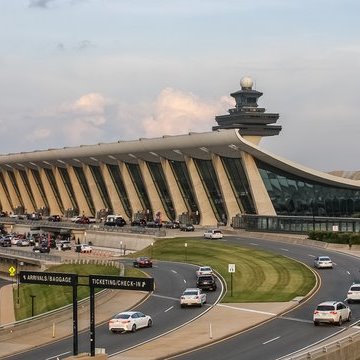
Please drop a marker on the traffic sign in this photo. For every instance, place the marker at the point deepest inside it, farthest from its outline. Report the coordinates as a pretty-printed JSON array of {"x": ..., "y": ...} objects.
[
  {"x": 12, "y": 271},
  {"x": 47, "y": 278},
  {"x": 121, "y": 282},
  {"x": 231, "y": 268}
]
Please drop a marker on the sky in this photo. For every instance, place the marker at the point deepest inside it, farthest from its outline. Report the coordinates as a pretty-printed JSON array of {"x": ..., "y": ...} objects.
[{"x": 78, "y": 72}]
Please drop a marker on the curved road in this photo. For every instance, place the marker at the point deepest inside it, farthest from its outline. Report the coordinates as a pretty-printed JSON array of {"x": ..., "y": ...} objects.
[
  {"x": 170, "y": 280},
  {"x": 293, "y": 330}
]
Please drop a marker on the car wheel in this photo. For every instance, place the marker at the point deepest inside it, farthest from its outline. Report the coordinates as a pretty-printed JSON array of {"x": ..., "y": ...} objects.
[
  {"x": 133, "y": 329},
  {"x": 149, "y": 323},
  {"x": 316, "y": 323},
  {"x": 349, "y": 317},
  {"x": 113, "y": 331},
  {"x": 340, "y": 321},
  {"x": 182, "y": 305}
]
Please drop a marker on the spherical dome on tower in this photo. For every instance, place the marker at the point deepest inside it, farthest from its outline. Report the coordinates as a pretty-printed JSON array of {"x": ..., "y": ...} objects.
[{"x": 246, "y": 82}]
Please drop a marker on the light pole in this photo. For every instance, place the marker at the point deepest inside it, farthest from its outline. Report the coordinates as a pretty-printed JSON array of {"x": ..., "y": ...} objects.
[
  {"x": 121, "y": 249},
  {"x": 151, "y": 250},
  {"x": 32, "y": 304}
]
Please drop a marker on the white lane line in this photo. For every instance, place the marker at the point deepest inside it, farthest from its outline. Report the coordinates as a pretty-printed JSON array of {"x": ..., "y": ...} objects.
[
  {"x": 57, "y": 356},
  {"x": 247, "y": 310},
  {"x": 184, "y": 281},
  {"x": 348, "y": 272},
  {"x": 164, "y": 297},
  {"x": 254, "y": 244},
  {"x": 313, "y": 256},
  {"x": 296, "y": 319},
  {"x": 271, "y": 340},
  {"x": 284, "y": 249},
  {"x": 174, "y": 271},
  {"x": 171, "y": 307}
]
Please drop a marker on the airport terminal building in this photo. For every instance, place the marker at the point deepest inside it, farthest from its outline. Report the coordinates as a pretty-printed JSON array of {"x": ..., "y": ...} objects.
[{"x": 205, "y": 178}]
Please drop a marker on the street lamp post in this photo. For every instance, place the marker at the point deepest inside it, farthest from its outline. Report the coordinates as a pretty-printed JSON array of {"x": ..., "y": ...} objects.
[
  {"x": 151, "y": 250},
  {"x": 32, "y": 304},
  {"x": 121, "y": 249}
]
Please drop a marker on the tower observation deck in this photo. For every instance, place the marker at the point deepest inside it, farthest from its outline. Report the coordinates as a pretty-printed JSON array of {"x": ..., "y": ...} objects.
[{"x": 247, "y": 116}]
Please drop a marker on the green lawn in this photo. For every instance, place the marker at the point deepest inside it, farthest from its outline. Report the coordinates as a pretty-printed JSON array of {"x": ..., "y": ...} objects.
[
  {"x": 50, "y": 297},
  {"x": 259, "y": 277}
]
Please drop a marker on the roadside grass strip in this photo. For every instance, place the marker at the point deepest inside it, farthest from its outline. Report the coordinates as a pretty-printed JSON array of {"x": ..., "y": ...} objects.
[{"x": 260, "y": 276}]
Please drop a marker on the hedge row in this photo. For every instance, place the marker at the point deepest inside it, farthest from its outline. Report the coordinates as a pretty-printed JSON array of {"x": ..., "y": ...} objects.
[{"x": 335, "y": 237}]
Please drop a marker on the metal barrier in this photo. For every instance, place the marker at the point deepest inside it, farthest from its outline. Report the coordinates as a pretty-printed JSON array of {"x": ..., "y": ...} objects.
[{"x": 30, "y": 255}]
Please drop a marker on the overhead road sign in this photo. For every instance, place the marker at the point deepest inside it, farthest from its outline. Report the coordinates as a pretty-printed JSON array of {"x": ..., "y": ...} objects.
[
  {"x": 121, "y": 282},
  {"x": 47, "y": 278}
]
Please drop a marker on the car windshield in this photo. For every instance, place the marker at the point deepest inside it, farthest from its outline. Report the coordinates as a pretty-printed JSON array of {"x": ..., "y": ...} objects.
[
  {"x": 205, "y": 269},
  {"x": 202, "y": 278},
  {"x": 324, "y": 258},
  {"x": 190, "y": 293},
  {"x": 325, "y": 308},
  {"x": 217, "y": 232},
  {"x": 122, "y": 316},
  {"x": 355, "y": 288}
]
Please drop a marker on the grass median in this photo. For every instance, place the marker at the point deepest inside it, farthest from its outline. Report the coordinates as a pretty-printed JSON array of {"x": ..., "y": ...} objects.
[{"x": 260, "y": 276}]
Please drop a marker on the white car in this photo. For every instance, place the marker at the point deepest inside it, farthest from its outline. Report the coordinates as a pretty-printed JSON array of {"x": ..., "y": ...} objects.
[
  {"x": 213, "y": 234},
  {"x": 204, "y": 270},
  {"x": 129, "y": 321},
  {"x": 333, "y": 312},
  {"x": 323, "y": 262},
  {"x": 353, "y": 293},
  {"x": 86, "y": 248},
  {"x": 192, "y": 296}
]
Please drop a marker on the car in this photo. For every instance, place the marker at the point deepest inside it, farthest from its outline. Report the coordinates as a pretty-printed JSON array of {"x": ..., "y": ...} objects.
[
  {"x": 153, "y": 224},
  {"x": 115, "y": 221},
  {"x": 323, "y": 262},
  {"x": 129, "y": 321},
  {"x": 187, "y": 227},
  {"x": 206, "y": 282},
  {"x": 23, "y": 242},
  {"x": 213, "y": 234},
  {"x": 42, "y": 248},
  {"x": 192, "y": 296},
  {"x": 5, "y": 242},
  {"x": 354, "y": 293},
  {"x": 82, "y": 220},
  {"x": 74, "y": 218},
  {"x": 204, "y": 270},
  {"x": 84, "y": 248},
  {"x": 64, "y": 245},
  {"x": 139, "y": 222},
  {"x": 172, "y": 225},
  {"x": 142, "y": 261},
  {"x": 333, "y": 312},
  {"x": 54, "y": 218}
]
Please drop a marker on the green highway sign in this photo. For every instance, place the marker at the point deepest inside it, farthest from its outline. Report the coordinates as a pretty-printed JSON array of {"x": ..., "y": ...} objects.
[
  {"x": 120, "y": 282},
  {"x": 47, "y": 278}
]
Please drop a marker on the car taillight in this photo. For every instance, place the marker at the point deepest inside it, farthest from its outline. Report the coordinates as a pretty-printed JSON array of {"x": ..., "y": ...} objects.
[
  {"x": 197, "y": 297},
  {"x": 333, "y": 312},
  {"x": 125, "y": 321},
  {"x": 349, "y": 292},
  {"x": 316, "y": 312},
  {"x": 182, "y": 298}
]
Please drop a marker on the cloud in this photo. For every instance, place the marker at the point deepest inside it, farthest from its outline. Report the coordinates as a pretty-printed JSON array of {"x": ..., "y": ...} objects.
[
  {"x": 177, "y": 112},
  {"x": 40, "y": 3}
]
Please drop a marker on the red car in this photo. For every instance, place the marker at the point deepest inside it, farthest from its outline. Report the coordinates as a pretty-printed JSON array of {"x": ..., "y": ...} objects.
[{"x": 143, "y": 261}]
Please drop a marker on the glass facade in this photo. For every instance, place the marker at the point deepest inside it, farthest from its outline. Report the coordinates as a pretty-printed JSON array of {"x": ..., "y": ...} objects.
[
  {"x": 120, "y": 188},
  {"x": 239, "y": 184},
  {"x": 85, "y": 188},
  {"x": 69, "y": 189},
  {"x": 136, "y": 177},
  {"x": 182, "y": 178},
  {"x": 158, "y": 177},
  {"x": 292, "y": 195},
  {"x": 211, "y": 185},
  {"x": 101, "y": 186}
]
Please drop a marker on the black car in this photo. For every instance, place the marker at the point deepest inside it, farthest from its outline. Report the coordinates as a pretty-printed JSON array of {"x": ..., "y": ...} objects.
[
  {"x": 187, "y": 227},
  {"x": 117, "y": 222},
  {"x": 140, "y": 222},
  {"x": 42, "y": 248},
  {"x": 54, "y": 218},
  {"x": 206, "y": 282},
  {"x": 5, "y": 242}
]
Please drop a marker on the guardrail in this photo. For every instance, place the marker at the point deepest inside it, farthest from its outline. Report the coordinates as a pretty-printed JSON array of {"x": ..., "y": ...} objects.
[{"x": 30, "y": 255}]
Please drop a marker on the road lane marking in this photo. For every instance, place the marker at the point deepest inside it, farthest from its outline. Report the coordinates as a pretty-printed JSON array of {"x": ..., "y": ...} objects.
[
  {"x": 184, "y": 281},
  {"x": 247, "y": 310},
  {"x": 174, "y": 271},
  {"x": 296, "y": 319},
  {"x": 348, "y": 272},
  {"x": 57, "y": 356},
  {"x": 284, "y": 249},
  {"x": 313, "y": 256},
  {"x": 171, "y": 307},
  {"x": 271, "y": 340},
  {"x": 254, "y": 244}
]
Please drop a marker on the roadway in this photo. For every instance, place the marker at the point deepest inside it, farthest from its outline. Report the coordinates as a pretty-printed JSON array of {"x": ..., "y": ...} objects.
[{"x": 294, "y": 330}]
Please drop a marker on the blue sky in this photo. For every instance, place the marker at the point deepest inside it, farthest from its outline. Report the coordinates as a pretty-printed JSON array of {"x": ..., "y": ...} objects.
[{"x": 87, "y": 71}]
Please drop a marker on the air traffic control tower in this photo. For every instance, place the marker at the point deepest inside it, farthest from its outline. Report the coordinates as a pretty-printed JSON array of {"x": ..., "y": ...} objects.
[{"x": 247, "y": 116}]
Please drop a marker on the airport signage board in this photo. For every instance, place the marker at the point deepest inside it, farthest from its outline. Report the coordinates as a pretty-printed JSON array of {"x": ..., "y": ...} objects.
[
  {"x": 48, "y": 278},
  {"x": 121, "y": 282}
]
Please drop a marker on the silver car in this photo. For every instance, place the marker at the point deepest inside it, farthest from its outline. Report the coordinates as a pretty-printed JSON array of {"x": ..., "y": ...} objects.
[
  {"x": 323, "y": 262},
  {"x": 192, "y": 296}
]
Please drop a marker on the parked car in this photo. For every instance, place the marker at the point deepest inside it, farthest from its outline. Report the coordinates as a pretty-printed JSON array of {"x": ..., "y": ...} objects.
[
  {"x": 74, "y": 218},
  {"x": 64, "y": 245},
  {"x": 82, "y": 220},
  {"x": 172, "y": 225},
  {"x": 187, "y": 227},
  {"x": 206, "y": 282},
  {"x": 54, "y": 218},
  {"x": 92, "y": 220},
  {"x": 129, "y": 321},
  {"x": 41, "y": 248},
  {"x": 115, "y": 221},
  {"x": 204, "y": 270},
  {"x": 84, "y": 248},
  {"x": 153, "y": 224},
  {"x": 5, "y": 242},
  {"x": 213, "y": 234},
  {"x": 354, "y": 293},
  {"x": 192, "y": 296},
  {"x": 322, "y": 262},
  {"x": 333, "y": 312},
  {"x": 142, "y": 261},
  {"x": 138, "y": 222},
  {"x": 23, "y": 242}
]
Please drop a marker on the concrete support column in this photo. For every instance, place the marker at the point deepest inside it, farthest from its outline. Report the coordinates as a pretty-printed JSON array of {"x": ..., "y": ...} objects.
[
  {"x": 62, "y": 190},
  {"x": 28, "y": 205},
  {"x": 5, "y": 204},
  {"x": 50, "y": 196},
  {"x": 12, "y": 192},
  {"x": 39, "y": 200}
]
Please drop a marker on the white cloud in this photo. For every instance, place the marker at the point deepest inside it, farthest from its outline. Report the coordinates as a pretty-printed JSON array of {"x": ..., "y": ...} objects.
[{"x": 176, "y": 112}]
